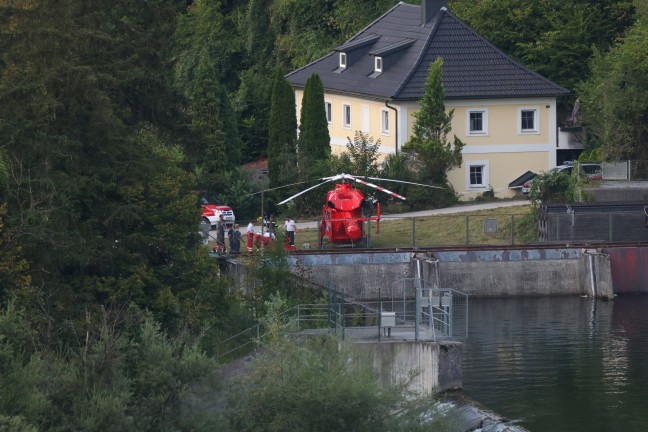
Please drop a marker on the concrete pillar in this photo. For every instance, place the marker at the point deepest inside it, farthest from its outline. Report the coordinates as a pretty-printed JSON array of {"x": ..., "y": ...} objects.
[{"x": 596, "y": 275}]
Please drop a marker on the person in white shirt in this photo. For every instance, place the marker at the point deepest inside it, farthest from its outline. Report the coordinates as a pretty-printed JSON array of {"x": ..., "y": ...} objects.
[
  {"x": 250, "y": 236},
  {"x": 290, "y": 227}
]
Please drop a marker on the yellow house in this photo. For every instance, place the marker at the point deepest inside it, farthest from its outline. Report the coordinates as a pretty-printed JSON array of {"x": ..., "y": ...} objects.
[{"x": 503, "y": 112}]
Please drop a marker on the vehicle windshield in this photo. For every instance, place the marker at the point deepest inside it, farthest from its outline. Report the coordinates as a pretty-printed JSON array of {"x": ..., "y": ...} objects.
[
  {"x": 566, "y": 170},
  {"x": 210, "y": 200}
]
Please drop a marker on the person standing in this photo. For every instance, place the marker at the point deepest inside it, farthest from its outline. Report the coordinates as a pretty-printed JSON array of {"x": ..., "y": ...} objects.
[
  {"x": 234, "y": 239},
  {"x": 272, "y": 228},
  {"x": 220, "y": 234},
  {"x": 250, "y": 236},
  {"x": 290, "y": 227}
]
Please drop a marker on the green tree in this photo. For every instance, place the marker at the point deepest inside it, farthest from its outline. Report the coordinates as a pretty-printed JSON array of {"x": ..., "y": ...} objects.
[
  {"x": 555, "y": 39},
  {"x": 615, "y": 98},
  {"x": 124, "y": 374},
  {"x": 253, "y": 98},
  {"x": 314, "y": 142},
  {"x": 260, "y": 35},
  {"x": 429, "y": 151},
  {"x": 217, "y": 147},
  {"x": 282, "y": 151},
  {"x": 206, "y": 29},
  {"x": 15, "y": 281},
  {"x": 396, "y": 166},
  {"x": 363, "y": 154},
  {"x": 319, "y": 384},
  {"x": 100, "y": 198},
  {"x": 560, "y": 187},
  {"x": 307, "y": 30}
]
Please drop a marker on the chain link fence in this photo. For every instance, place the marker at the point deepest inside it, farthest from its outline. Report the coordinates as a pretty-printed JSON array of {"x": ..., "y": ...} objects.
[{"x": 625, "y": 170}]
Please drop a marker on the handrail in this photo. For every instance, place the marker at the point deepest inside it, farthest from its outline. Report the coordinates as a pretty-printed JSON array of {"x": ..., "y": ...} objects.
[
  {"x": 260, "y": 333},
  {"x": 337, "y": 316}
]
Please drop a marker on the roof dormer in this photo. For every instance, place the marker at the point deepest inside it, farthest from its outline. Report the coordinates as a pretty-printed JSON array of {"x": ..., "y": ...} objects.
[
  {"x": 386, "y": 56},
  {"x": 352, "y": 51},
  {"x": 343, "y": 60}
]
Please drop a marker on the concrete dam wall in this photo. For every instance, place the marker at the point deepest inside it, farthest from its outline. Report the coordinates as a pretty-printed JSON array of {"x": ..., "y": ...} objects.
[{"x": 493, "y": 273}]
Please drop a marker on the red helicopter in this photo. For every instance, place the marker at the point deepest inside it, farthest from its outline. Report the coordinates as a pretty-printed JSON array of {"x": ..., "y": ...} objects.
[{"x": 347, "y": 209}]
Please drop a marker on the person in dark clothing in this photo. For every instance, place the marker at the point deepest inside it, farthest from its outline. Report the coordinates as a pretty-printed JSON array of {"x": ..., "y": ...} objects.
[
  {"x": 234, "y": 239},
  {"x": 271, "y": 224},
  {"x": 220, "y": 235}
]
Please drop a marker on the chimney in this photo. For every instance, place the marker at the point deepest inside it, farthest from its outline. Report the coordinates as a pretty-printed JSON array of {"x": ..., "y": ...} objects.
[{"x": 429, "y": 8}]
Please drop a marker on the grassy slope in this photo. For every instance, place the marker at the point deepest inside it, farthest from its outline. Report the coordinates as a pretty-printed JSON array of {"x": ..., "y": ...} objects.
[{"x": 438, "y": 230}]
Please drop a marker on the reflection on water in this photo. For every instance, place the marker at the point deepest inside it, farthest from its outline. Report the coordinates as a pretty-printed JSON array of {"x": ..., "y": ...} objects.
[{"x": 561, "y": 363}]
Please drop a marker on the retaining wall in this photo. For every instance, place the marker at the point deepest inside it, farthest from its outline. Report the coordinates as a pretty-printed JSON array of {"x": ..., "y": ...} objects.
[
  {"x": 495, "y": 273},
  {"x": 359, "y": 275},
  {"x": 437, "y": 364}
]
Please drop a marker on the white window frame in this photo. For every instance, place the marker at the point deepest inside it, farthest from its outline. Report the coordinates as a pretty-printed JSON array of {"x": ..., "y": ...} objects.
[
  {"x": 346, "y": 120},
  {"x": 536, "y": 121},
  {"x": 384, "y": 122},
  {"x": 485, "y": 175},
  {"x": 378, "y": 64},
  {"x": 484, "y": 130},
  {"x": 343, "y": 60},
  {"x": 328, "y": 106}
]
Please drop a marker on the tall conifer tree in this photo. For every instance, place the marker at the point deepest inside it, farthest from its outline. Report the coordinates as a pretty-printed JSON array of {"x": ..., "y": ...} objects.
[
  {"x": 99, "y": 199},
  {"x": 217, "y": 146},
  {"x": 429, "y": 150},
  {"x": 282, "y": 156},
  {"x": 314, "y": 143}
]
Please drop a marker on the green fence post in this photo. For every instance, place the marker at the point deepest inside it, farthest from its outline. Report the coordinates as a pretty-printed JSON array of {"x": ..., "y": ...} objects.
[
  {"x": 467, "y": 230},
  {"x": 512, "y": 230}
]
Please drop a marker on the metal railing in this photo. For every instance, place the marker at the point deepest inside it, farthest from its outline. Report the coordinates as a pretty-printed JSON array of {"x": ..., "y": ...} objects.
[
  {"x": 411, "y": 311},
  {"x": 430, "y": 313},
  {"x": 437, "y": 230},
  {"x": 248, "y": 340},
  {"x": 604, "y": 222}
]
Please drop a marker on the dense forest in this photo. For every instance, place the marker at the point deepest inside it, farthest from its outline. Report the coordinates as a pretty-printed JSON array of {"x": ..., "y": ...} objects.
[{"x": 114, "y": 115}]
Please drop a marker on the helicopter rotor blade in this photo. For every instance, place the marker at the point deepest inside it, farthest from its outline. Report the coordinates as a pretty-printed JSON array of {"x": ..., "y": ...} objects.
[
  {"x": 281, "y": 187},
  {"x": 382, "y": 189},
  {"x": 326, "y": 180},
  {"x": 403, "y": 181}
]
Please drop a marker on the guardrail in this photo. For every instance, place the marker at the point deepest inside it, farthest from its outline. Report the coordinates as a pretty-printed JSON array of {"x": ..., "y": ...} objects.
[
  {"x": 246, "y": 341},
  {"x": 419, "y": 314}
]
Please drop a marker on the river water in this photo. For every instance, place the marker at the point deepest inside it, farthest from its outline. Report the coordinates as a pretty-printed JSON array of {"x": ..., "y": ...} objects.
[{"x": 560, "y": 363}]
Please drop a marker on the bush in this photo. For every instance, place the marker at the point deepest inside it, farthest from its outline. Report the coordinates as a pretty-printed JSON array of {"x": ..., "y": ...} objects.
[
  {"x": 320, "y": 384},
  {"x": 125, "y": 374}
]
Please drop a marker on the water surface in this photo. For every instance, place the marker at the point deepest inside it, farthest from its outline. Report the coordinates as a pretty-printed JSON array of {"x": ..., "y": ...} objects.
[{"x": 560, "y": 363}]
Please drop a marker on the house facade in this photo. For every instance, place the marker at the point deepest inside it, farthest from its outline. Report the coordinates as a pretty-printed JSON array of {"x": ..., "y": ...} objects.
[{"x": 503, "y": 112}]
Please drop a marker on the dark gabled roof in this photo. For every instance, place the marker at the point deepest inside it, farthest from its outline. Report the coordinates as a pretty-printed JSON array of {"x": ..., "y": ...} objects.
[
  {"x": 518, "y": 182},
  {"x": 473, "y": 67}
]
